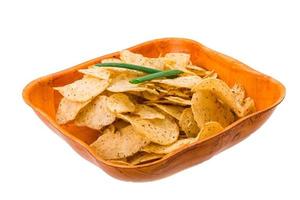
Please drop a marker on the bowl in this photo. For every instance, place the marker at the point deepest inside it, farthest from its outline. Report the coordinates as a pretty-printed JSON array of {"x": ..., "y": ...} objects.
[{"x": 266, "y": 92}]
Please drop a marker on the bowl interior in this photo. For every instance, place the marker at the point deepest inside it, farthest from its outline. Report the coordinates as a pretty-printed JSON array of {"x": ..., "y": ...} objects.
[{"x": 265, "y": 91}]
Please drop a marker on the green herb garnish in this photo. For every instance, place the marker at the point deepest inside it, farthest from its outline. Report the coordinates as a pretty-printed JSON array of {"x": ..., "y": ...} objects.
[
  {"x": 129, "y": 66},
  {"x": 160, "y": 74}
]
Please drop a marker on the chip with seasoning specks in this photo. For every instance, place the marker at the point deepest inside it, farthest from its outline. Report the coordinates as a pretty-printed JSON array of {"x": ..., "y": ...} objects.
[
  {"x": 89, "y": 117},
  {"x": 84, "y": 89}
]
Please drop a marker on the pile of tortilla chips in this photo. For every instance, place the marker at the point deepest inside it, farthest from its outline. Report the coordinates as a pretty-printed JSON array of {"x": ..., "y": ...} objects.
[{"x": 140, "y": 123}]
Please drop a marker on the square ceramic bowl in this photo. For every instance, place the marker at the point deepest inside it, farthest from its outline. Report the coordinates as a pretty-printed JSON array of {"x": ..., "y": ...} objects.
[{"x": 266, "y": 92}]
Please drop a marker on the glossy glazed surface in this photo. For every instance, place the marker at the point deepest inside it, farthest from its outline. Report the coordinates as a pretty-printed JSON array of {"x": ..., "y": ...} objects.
[{"x": 266, "y": 92}]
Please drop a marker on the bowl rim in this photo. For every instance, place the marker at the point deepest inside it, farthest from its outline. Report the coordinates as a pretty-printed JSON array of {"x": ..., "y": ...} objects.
[{"x": 27, "y": 90}]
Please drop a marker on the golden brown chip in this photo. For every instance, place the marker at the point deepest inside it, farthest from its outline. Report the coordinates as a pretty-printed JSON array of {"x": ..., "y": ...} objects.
[
  {"x": 121, "y": 84},
  {"x": 83, "y": 90},
  {"x": 161, "y": 131},
  {"x": 120, "y": 103},
  {"x": 96, "y": 72},
  {"x": 180, "y": 59},
  {"x": 68, "y": 110},
  {"x": 178, "y": 101},
  {"x": 138, "y": 59},
  {"x": 111, "y": 60},
  {"x": 119, "y": 124},
  {"x": 239, "y": 93},
  {"x": 146, "y": 112},
  {"x": 222, "y": 91},
  {"x": 96, "y": 114},
  {"x": 150, "y": 96},
  {"x": 145, "y": 158},
  {"x": 181, "y": 82},
  {"x": 119, "y": 144},
  {"x": 132, "y": 58},
  {"x": 209, "y": 129},
  {"x": 173, "y": 92},
  {"x": 117, "y": 71},
  {"x": 157, "y": 63},
  {"x": 165, "y": 149},
  {"x": 211, "y": 74},
  {"x": 174, "y": 111},
  {"x": 119, "y": 162},
  {"x": 197, "y": 70},
  {"x": 206, "y": 108},
  {"x": 188, "y": 124}
]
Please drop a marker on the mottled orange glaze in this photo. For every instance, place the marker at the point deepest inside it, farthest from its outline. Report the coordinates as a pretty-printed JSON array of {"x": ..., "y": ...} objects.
[{"x": 266, "y": 92}]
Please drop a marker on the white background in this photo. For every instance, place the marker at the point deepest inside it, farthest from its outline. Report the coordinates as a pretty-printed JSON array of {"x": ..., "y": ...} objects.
[{"x": 39, "y": 37}]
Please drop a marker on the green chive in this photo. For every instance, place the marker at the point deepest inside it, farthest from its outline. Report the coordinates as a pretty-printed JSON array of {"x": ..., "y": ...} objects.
[
  {"x": 161, "y": 74},
  {"x": 129, "y": 66}
]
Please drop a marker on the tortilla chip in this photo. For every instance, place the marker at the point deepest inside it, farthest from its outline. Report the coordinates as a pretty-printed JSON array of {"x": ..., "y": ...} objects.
[
  {"x": 146, "y": 112},
  {"x": 239, "y": 93},
  {"x": 178, "y": 101},
  {"x": 119, "y": 162},
  {"x": 188, "y": 124},
  {"x": 209, "y": 129},
  {"x": 206, "y": 108},
  {"x": 174, "y": 111},
  {"x": 83, "y": 90},
  {"x": 161, "y": 131},
  {"x": 119, "y": 144},
  {"x": 117, "y": 71},
  {"x": 222, "y": 91},
  {"x": 96, "y": 73},
  {"x": 181, "y": 82},
  {"x": 197, "y": 70},
  {"x": 138, "y": 59},
  {"x": 121, "y": 84},
  {"x": 165, "y": 149},
  {"x": 111, "y": 60},
  {"x": 68, "y": 110},
  {"x": 180, "y": 59},
  {"x": 157, "y": 63},
  {"x": 96, "y": 114},
  {"x": 144, "y": 158},
  {"x": 132, "y": 58},
  {"x": 120, "y": 103},
  {"x": 174, "y": 92}
]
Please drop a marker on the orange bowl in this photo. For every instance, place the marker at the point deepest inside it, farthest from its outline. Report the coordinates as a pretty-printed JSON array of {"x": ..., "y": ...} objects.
[{"x": 266, "y": 92}]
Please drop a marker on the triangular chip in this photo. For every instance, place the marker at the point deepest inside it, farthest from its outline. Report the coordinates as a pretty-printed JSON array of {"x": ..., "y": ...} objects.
[
  {"x": 188, "y": 124},
  {"x": 181, "y": 82},
  {"x": 141, "y": 158},
  {"x": 161, "y": 131},
  {"x": 178, "y": 101},
  {"x": 119, "y": 144},
  {"x": 209, "y": 129},
  {"x": 116, "y": 70},
  {"x": 68, "y": 110},
  {"x": 121, "y": 84},
  {"x": 206, "y": 108},
  {"x": 96, "y": 72},
  {"x": 138, "y": 59},
  {"x": 222, "y": 91},
  {"x": 146, "y": 112},
  {"x": 120, "y": 103},
  {"x": 165, "y": 149},
  {"x": 174, "y": 111},
  {"x": 180, "y": 59},
  {"x": 96, "y": 114},
  {"x": 84, "y": 89},
  {"x": 197, "y": 70}
]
